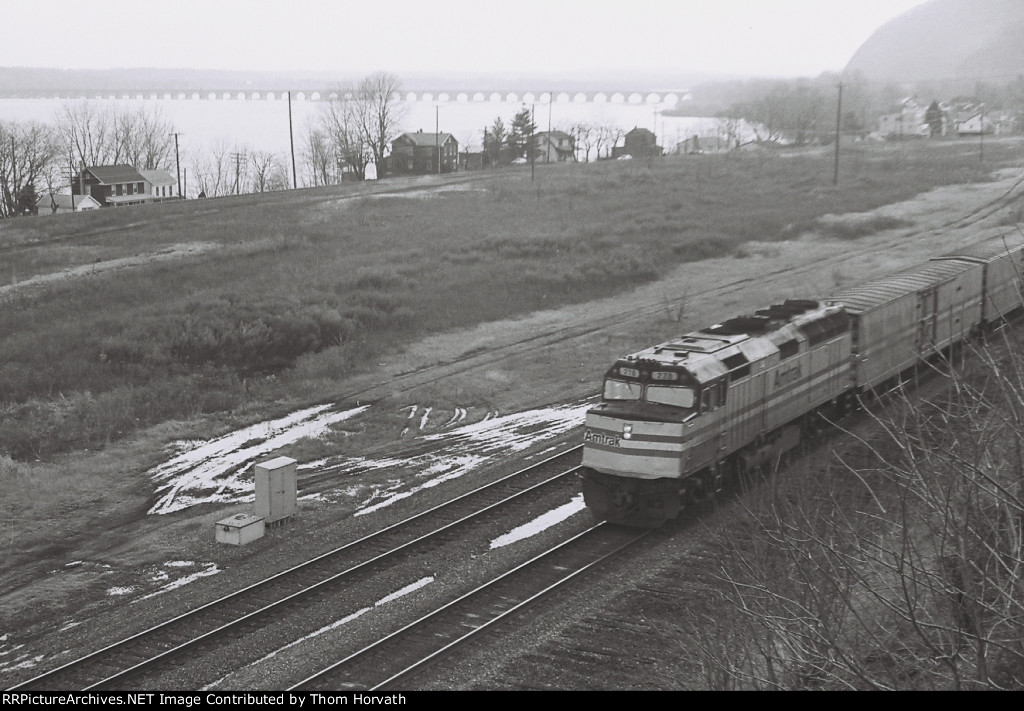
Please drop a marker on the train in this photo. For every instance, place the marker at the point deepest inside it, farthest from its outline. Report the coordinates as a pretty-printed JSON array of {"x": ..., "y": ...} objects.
[{"x": 679, "y": 419}]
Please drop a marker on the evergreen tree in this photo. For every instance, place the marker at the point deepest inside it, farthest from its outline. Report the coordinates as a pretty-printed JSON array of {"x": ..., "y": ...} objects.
[{"x": 519, "y": 134}]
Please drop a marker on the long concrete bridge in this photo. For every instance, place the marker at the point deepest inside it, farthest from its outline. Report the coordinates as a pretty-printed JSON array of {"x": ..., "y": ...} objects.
[{"x": 651, "y": 98}]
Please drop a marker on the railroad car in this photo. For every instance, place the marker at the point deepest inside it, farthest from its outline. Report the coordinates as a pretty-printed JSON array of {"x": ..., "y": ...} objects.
[{"x": 677, "y": 419}]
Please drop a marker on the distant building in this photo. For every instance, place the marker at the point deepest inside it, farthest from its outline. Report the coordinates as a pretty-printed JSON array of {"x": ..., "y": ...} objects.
[
  {"x": 111, "y": 185},
  {"x": 973, "y": 123},
  {"x": 638, "y": 143},
  {"x": 119, "y": 185},
  {"x": 909, "y": 120},
  {"x": 553, "y": 147},
  {"x": 61, "y": 203},
  {"x": 424, "y": 153},
  {"x": 160, "y": 184}
]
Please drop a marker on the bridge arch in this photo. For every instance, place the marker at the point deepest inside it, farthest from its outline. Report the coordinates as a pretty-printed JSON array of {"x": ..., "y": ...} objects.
[
  {"x": 512, "y": 97},
  {"x": 636, "y": 98},
  {"x": 462, "y": 98},
  {"x": 495, "y": 97},
  {"x": 579, "y": 98}
]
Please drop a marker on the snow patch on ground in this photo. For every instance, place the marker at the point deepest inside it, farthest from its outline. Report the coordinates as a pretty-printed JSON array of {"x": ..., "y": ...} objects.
[
  {"x": 210, "y": 471},
  {"x": 207, "y": 570},
  {"x": 541, "y": 523},
  {"x": 213, "y": 471},
  {"x": 465, "y": 449},
  {"x": 12, "y": 660}
]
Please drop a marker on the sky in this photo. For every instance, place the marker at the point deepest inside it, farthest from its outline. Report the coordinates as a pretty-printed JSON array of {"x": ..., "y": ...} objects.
[{"x": 784, "y": 38}]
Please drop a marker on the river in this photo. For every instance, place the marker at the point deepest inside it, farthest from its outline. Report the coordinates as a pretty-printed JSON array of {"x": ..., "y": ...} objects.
[{"x": 263, "y": 124}]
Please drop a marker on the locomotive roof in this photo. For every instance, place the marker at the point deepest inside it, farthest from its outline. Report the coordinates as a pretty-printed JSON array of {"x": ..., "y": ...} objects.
[
  {"x": 877, "y": 292},
  {"x": 708, "y": 353}
]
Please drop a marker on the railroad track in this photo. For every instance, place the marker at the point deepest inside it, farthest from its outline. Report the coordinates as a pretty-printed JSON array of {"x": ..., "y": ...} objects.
[
  {"x": 395, "y": 658},
  {"x": 155, "y": 649}
]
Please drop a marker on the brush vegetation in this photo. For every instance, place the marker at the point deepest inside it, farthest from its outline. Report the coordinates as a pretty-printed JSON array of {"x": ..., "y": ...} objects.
[{"x": 284, "y": 293}]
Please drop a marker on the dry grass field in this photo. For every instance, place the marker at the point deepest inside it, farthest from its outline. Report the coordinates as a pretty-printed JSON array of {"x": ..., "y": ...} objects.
[{"x": 124, "y": 329}]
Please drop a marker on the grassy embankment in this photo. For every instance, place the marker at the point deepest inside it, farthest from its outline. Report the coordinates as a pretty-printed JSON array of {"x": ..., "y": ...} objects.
[{"x": 306, "y": 288}]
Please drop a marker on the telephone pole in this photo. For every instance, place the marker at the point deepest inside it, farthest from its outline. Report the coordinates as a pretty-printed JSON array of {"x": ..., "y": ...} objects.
[
  {"x": 291, "y": 139},
  {"x": 529, "y": 143},
  {"x": 177, "y": 163},
  {"x": 239, "y": 157}
]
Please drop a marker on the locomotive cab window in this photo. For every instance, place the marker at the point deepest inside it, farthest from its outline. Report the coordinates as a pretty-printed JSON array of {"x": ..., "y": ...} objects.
[
  {"x": 684, "y": 397},
  {"x": 709, "y": 399},
  {"x": 621, "y": 390}
]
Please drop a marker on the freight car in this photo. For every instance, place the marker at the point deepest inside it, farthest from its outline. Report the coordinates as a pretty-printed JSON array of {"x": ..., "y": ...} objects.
[{"x": 678, "y": 419}]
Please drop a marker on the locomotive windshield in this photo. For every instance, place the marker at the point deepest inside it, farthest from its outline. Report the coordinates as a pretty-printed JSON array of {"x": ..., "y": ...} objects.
[
  {"x": 675, "y": 396},
  {"x": 621, "y": 390}
]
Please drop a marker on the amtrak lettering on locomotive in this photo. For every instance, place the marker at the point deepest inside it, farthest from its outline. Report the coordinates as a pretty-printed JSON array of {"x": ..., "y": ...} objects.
[{"x": 678, "y": 418}]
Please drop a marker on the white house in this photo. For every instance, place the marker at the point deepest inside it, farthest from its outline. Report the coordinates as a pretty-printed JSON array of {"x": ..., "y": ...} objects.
[
  {"x": 972, "y": 124},
  {"x": 159, "y": 184},
  {"x": 60, "y": 203},
  {"x": 553, "y": 146}
]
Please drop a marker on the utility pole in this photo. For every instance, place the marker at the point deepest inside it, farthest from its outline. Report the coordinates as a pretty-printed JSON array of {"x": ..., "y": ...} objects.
[
  {"x": 71, "y": 176},
  {"x": 239, "y": 157},
  {"x": 839, "y": 115},
  {"x": 291, "y": 139},
  {"x": 437, "y": 136},
  {"x": 529, "y": 143},
  {"x": 981, "y": 136},
  {"x": 547, "y": 154},
  {"x": 177, "y": 163}
]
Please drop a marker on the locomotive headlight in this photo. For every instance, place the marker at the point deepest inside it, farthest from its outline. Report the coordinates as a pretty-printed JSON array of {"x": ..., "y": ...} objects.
[{"x": 627, "y": 431}]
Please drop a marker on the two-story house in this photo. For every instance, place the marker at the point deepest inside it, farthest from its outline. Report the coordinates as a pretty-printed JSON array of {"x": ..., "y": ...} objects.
[
  {"x": 111, "y": 185},
  {"x": 424, "y": 153},
  {"x": 638, "y": 143},
  {"x": 553, "y": 147}
]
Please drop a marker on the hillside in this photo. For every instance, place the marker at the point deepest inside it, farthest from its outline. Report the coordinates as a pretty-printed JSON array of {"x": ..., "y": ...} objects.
[{"x": 946, "y": 40}]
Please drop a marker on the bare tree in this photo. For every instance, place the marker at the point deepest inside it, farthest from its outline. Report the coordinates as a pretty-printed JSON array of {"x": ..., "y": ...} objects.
[
  {"x": 98, "y": 135},
  {"x": 87, "y": 130},
  {"x": 583, "y": 135},
  {"x": 319, "y": 156},
  {"x": 268, "y": 171},
  {"x": 149, "y": 144},
  {"x": 902, "y": 567},
  {"x": 342, "y": 126},
  {"x": 28, "y": 158},
  {"x": 380, "y": 112},
  {"x": 606, "y": 135},
  {"x": 213, "y": 171}
]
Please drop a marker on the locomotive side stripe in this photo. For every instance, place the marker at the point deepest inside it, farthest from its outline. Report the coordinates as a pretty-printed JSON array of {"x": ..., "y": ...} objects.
[
  {"x": 775, "y": 400},
  {"x": 635, "y": 451}
]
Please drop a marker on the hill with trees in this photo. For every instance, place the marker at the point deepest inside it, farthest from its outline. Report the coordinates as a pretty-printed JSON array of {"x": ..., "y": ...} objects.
[{"x": 946, "y": 40}]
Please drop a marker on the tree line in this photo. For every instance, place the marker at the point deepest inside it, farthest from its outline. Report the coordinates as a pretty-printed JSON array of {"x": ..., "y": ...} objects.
[
  {"x": 803, "y": 111},
  {"x": 39, "y": 159}
]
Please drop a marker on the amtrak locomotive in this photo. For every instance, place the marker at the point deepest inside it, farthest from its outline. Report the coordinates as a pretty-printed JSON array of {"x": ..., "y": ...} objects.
[{"x": 679, "y": 418}]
